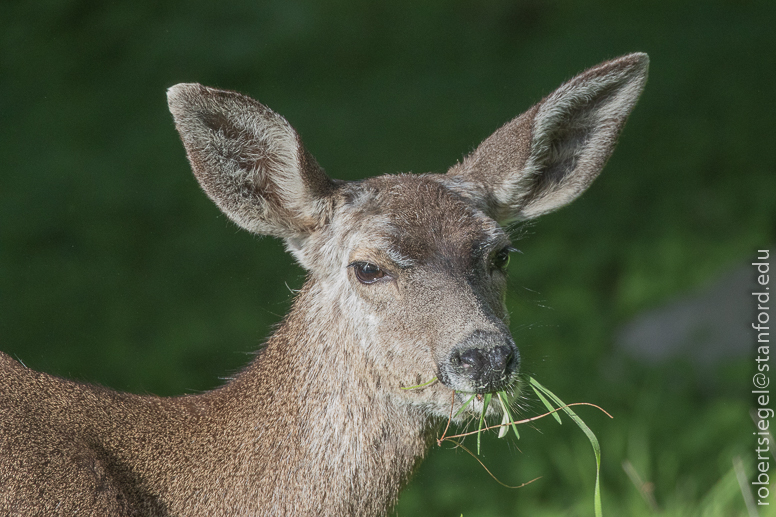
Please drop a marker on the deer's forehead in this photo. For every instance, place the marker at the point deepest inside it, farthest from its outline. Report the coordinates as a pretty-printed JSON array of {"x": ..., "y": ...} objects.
[{"x": 415, "y": 218}]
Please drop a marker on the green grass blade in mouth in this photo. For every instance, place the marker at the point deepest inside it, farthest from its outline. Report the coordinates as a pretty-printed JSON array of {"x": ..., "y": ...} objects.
[
  {"x": 485, "y": 402},
  {"x": 507, "y": 421},
  {"x": 464, "y": 405}
]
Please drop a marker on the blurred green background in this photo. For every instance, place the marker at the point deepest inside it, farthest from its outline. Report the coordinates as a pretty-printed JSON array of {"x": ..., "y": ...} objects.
[{"x": 116, "y": 269}]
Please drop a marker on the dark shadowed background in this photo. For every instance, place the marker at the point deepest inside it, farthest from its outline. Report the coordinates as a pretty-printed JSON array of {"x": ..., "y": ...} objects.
[{"x": 116, "y": 269}]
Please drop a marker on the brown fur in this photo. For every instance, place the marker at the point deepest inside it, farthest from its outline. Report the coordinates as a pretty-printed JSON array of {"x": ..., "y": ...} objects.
[{"x": 317, "y": 424}]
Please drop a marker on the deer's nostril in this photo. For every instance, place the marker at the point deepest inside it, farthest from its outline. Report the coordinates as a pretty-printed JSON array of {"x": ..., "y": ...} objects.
[
  {"x": 473, "y": 358},
  {"x": 500, "y": 356}
]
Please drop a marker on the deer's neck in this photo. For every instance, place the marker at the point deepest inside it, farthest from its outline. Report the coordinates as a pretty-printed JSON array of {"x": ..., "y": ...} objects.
[{"x": 318, "y": 432}]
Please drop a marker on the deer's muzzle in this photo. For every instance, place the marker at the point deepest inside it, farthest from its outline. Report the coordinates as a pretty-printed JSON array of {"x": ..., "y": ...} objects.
[{"x": 484, "y": 362}]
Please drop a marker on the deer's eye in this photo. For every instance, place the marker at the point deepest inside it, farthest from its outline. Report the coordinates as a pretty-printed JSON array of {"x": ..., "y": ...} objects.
[
  {"x": 367, "y": 273},
  {"x": 501, "y": 259}
]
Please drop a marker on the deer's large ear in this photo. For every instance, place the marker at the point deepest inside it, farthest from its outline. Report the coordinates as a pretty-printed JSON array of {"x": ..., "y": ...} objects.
[
  {"x": 250, "y": 161},
  {"x": 549, "y": 155}
]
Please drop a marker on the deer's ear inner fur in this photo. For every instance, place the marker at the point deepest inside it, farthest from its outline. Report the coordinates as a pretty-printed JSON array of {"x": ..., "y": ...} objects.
[
  {"x": 545, "y": 158},
  {"x": 250, "y": 161}
]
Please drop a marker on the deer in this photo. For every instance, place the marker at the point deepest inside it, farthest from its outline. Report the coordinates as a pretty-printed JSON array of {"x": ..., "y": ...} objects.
[{"x": 406, "y": 279}]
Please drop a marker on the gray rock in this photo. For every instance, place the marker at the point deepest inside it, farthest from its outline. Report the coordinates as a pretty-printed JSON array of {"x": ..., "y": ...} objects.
[{"x": 706, "y": 327}]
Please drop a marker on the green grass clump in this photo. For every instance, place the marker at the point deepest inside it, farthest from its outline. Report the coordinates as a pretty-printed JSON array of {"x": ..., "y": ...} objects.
[{"x": 508, "y": 422}]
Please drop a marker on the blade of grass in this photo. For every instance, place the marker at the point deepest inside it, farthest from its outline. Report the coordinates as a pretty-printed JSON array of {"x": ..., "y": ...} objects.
[
  {"x": 549, "y": 406},
  {"x": 505, "y": 419},
  {"x": 485, "y": 402},
  {"x": 419, "y": 385},
  {"x": 464, "y": 405},
  {"x": 743, "y": 484},
  {"x": 537, "y": 387},
  {"x": 502, "y": 397}
]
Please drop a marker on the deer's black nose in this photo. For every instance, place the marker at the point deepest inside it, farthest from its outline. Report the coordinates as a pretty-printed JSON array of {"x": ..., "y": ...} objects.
[{"x": 485, "y": 361}]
